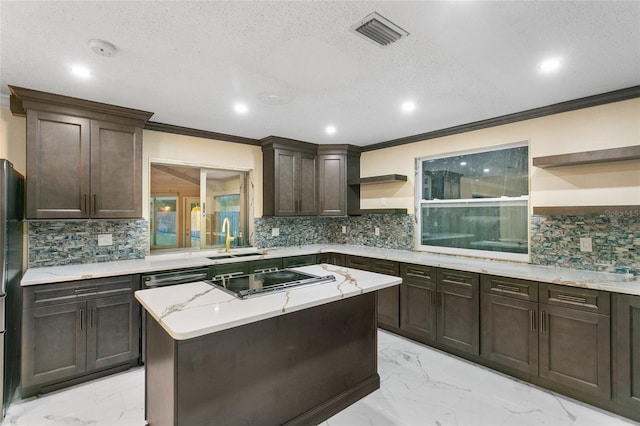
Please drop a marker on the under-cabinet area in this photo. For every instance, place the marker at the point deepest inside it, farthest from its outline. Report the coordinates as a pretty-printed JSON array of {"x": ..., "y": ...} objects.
[{"x": 580, "y": 342}]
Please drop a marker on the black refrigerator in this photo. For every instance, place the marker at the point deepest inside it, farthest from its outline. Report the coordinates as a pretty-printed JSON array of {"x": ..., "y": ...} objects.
[{"x": 11, "y": 240}]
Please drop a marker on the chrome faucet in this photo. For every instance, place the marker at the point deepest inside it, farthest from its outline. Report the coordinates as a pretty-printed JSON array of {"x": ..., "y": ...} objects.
[{"x": 227, "y": 224}]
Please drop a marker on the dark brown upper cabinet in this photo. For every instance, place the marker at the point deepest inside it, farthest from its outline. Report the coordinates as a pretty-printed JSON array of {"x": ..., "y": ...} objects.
[
  {"x": 337, "y": 165},
  {"x": 84, "y": 159},
  {"x": 290, "y": 183}
]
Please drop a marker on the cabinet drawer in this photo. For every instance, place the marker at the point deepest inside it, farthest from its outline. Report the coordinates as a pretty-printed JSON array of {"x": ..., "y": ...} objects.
[
  {"x": 468, "y": 280},
  {"x": 356, "y": 262},
  {"x": 66, "y": 292},
  {"x": 238, "y": 268},
  {"x": 576, "y": 298},
  {"x": 510, "y": 287},
  {"x": 386, "y": 267},
  {"x": 418, "y": 275}
]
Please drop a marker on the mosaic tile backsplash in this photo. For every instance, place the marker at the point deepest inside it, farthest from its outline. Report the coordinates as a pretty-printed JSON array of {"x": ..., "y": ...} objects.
[
  {"x": 555, "y": 241},
  {"x": 53, "y": 243},
  {"x": 396, "y": 231}
]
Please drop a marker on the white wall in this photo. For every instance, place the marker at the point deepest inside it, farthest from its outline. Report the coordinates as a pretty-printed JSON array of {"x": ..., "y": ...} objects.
[{"x": 605, "y": 126}]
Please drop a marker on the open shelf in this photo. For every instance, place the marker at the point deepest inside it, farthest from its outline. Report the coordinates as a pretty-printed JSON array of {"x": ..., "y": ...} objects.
[
  {"x": 616, "y": 211},
  {"x": 378, "y": 179},
  {"x": 588, "y": 157},
  {"x": 378, "y": 211}
]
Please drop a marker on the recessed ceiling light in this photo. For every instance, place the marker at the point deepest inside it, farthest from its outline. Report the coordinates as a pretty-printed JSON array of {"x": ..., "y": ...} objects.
[
  {"x": 408, "y": 106},
  {"x": 486, "y": 170},
  {"x": 241, "y": 108},
  {"x": 463, "y": 163},
  {"x": 80, "y": 71},
  {"x": 330, "y": 130},
  {"x": 550, "y": 65}
]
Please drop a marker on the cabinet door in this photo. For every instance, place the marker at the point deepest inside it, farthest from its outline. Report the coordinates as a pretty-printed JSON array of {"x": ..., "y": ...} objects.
[
  {"x": 307, "y": 185},
  {"x": 285, "y": 201},
  {"x": 113, "y": 331},
  {"x": 575, "y": 349},
  {"x": 357, "y": 262},
  {"x": 628, "y": 350},
  {"x": 304, "y": 260},
  {"x": 237, "y": 268},
  {"x": 417, "y": 300},
  {"x": 116, "y": 170},
  {"x": 58, "y": 157},
  {"x": 53, "y": 343},
  {"x": 332, "y": 182},
  {"x": 388, "y": 298},
  {"x": 510, "y": 332},
  {"x": 458, "y": 323}
]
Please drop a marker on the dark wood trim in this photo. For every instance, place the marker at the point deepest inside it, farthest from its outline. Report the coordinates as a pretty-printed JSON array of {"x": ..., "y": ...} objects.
[
  {"x": 588, "y": 157},
  {"x": 23, "y": 99},
  {"x": 378, "y": 179},
  {"x": 575, "y": 104},
  {"x": 187, "y": 131},
  {"x": 278, "y": 142},
  {"x": 339, "y": 150},
  {"x": 614, "y": 211}
]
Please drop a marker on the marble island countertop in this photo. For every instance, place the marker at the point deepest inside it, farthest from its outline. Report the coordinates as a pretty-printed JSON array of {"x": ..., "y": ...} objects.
[
  {"x": 191, "y": 310},
  {"x": 617, "y": 283}
]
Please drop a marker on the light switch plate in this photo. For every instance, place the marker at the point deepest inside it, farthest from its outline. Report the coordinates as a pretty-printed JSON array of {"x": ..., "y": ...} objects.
[
  {"x": 586, "y": 244},
  {"x": 275, "y": 232},
  {"x": 344, "y": 229},
  {"x": 105, "y": 240},
  {"x": 377, "y": 231}
]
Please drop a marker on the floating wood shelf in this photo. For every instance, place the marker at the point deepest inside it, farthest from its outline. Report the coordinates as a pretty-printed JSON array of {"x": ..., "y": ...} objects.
[
  {"x": 378, "y": 211},
  {"x": 378, "y": 179},
  {"x": 589, "y": 157},
  {"x": 614, "y": 211}
]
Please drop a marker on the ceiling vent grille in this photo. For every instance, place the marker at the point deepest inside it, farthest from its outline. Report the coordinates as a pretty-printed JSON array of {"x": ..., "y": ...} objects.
[{"x": 378, "y": 30}]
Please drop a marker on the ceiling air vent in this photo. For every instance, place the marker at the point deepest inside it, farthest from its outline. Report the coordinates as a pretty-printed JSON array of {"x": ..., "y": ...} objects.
[{"x": 378, "y": 30}]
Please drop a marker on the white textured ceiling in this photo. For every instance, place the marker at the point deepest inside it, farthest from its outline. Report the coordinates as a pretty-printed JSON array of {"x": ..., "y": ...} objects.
[{"x": 189, "y": 62}]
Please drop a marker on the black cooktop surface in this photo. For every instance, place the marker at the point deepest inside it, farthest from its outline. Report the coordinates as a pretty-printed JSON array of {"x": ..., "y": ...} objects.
[{"x": 244, "y": 286}]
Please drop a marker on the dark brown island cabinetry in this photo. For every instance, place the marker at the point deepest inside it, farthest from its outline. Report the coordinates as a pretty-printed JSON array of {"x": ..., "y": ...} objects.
[
  {"x": 627, "y": 359},
  {"x": 290, "y": 186},
  {"x": 76, "y": 331},
  {"x": 332, "y": 258},
  {"x": 337, "y": 165},
  {"x": 84, "y": 159},
  {"x": 441, "y": 305}
]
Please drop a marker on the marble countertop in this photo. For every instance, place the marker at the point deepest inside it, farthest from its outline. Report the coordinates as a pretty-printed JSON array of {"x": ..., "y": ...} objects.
[
  {"x": 617, "y": 283},
  {"x": 191, "y": 310}
]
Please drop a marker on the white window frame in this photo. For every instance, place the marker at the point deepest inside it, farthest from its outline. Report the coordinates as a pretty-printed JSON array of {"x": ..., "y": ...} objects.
[{"x": 498, "y": 255}]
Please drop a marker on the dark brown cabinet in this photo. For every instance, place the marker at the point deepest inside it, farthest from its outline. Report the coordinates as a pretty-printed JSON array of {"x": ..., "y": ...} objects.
[
  {"x": 337, "y": 165},
  {"x": 303, "y": 260},
  {"x": 75, "y": 329},
  {"x": 84, "y": 159},
  {"x": 332, "y": 258},
  {"x": 575, "y": 339},
  {"x": 441, "y": 305},
  {"x": 509, "y": 331},
  {"x": 627, "y": 334},
  {"x": 290, "y": 185}
]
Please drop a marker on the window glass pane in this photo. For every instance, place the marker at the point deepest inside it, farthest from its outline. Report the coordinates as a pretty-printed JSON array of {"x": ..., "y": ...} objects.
[
  {"x": 165, "y": 221},
  {"x": 488, "y": 226},
  {"x": 479, "y": 175}
]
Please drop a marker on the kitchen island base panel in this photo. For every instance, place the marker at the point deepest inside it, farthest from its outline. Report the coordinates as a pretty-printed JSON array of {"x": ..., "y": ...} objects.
[{"x": 297, "y": 368}]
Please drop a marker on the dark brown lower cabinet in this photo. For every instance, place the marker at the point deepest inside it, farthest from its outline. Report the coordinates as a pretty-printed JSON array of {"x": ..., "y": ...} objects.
[
  {"x": 441, "y": 305},
  {"x": 72, "y": 331},
  {"x": 509, "y": 331},
  {"x": 627, "y": 392}
]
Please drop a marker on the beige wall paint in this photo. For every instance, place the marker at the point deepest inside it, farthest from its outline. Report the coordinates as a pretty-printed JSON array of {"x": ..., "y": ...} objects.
[
  {"x": 605, "y": 126},
  {"x": 13, "y": 138},
  {"x": 160, "y": 146}
]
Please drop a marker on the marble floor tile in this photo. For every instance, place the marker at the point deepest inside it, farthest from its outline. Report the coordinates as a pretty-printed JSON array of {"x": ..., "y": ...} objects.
[{"x": 419, "y": 386}]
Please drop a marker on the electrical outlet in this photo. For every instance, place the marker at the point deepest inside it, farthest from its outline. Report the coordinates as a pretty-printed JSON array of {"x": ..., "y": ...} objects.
[
  {"x": 586, "y": 244},
  {"x": 376, "y": 231},
  {"x": 105, "y": 240},
  {"x": 344, "y": 229},
  {"x": 275, "y": 232}
]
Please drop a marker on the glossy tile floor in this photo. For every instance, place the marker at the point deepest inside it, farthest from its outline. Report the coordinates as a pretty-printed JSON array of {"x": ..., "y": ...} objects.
[{"x": 420, "y": 386}]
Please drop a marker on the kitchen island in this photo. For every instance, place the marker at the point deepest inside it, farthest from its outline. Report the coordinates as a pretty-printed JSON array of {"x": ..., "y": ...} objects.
[{"x": 294, "y": 357}]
